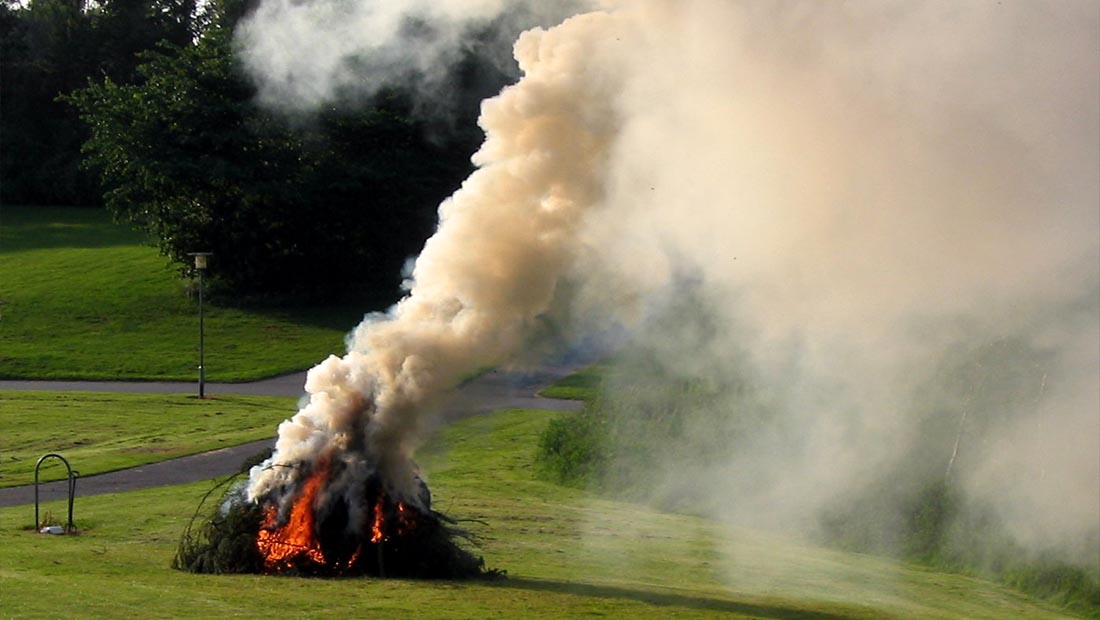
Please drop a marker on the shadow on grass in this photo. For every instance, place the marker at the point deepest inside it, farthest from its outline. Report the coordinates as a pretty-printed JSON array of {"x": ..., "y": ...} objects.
[
  {"x": 49, "y": 237},
  {"x": 663, "y": 599},
  {"x": 341, "y": 315}
]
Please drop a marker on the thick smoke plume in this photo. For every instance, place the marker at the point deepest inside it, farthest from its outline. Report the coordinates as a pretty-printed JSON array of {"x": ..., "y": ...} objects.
[
  {"x": 305, "y": 54},
  {"x": 485, "y": 279},
  {"x": 865, "y": 194}
]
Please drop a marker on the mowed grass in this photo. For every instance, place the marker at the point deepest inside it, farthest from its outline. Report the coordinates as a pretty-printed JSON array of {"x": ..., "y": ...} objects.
[
  {"x": 584, "y": 384},
  {"x": 568, "y": 555},
  {"x": 84, "y": 298},
  {"x": 101, "y": 432}
]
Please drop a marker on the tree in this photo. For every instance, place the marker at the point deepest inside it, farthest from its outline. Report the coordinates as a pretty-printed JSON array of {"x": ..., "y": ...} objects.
[
  {"x": 323, "y": 208},
  {"x": 51, "y": 47},
  {"x": 46, "y": 52}
]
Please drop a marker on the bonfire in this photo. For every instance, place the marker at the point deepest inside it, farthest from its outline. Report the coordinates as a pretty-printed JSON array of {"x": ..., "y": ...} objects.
[
  {"x": 340, "y": 495},
  {"x": 321, "y": 528}
]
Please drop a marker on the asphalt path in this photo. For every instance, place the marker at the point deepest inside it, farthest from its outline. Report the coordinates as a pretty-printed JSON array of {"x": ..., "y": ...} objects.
[
  {"x": 284, "y": 385},
  {"x": 491, "y": 391}
]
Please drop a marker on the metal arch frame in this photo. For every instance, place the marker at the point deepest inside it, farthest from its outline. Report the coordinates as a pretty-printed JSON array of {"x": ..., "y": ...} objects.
[{"x": 72, "y": 488}]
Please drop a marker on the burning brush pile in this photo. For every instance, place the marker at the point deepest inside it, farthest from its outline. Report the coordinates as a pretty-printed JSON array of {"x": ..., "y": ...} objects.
[
  {"x": 340, "y": 494},
  {"x": 326, "y": 527}
]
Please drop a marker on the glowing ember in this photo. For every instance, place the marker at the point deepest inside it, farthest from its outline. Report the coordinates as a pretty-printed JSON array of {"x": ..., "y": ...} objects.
[
  {"x": 406, "y": 520},
  {"x": 354, "y": 557}
]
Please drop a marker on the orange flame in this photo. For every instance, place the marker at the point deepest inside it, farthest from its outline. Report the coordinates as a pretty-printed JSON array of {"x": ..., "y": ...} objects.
[
  {"x": 405, "y": 522},
  {"x": 280, "y": 547},
  {"x": 377, "y": 535},
  {"x": 406, "y": 519},
  {"x": 354, "y": 556},
  {"x": 296, "y": 542}
]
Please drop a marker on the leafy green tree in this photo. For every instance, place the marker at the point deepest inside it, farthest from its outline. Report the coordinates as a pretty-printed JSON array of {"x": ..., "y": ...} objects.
[{"x": 325, "y": 207}]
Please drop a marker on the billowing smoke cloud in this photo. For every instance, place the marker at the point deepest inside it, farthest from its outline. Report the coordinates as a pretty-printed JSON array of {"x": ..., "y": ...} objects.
[
  {"x": 867, "y": 194},
  {"x": 864, "y": 193},
  {"x": 484, "y": 280},
  {"x": 304, "y": 54}
]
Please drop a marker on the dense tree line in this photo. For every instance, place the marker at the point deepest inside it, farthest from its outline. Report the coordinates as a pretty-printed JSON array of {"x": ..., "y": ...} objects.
[
  {"x": 141, "y": 106},
  {"x": 49, "y": 48}
]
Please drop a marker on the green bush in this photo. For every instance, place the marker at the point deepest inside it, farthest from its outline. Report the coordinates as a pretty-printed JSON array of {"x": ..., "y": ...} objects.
[{"x": 572, "y": 449}]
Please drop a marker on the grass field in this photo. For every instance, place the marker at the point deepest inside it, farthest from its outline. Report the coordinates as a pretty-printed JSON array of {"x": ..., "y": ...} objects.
[
  {"x": 581, "y": 385},
  {"x": 568, "y": 555},
  {"x": 101, "y": 432},
  {"x": 83, "y": 298}
]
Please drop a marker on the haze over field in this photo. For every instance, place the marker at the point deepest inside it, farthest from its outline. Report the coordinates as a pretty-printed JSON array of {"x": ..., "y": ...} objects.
[{"x": 888, "y": 215}]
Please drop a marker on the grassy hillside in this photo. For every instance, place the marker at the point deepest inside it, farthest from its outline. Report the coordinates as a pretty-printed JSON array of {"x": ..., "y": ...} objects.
[
  {"x": 83, "y": 298},
  {"x": 101, "y": 432},
  {"x": 568, "y": 555},
  {"x": 635, "y": 426}
]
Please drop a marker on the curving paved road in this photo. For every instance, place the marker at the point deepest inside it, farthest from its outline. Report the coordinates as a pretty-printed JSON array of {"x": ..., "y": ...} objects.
[
  {"x": 283, "y": 385},
  {"x": 490, "y": 392}
]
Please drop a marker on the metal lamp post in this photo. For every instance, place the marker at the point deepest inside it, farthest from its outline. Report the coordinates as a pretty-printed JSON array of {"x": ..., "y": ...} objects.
[{"x": 200, "y": 266}]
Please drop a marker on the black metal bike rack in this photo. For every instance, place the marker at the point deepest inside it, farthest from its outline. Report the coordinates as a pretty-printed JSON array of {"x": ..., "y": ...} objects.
[{"x": 72, "y": 489}]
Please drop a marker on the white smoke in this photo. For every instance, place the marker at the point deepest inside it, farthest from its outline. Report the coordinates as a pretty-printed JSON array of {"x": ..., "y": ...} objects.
[
  {"x": 484, "y": 279},
  {"x": 305, "y": 54},
  {"x": 859, "y": 188}
]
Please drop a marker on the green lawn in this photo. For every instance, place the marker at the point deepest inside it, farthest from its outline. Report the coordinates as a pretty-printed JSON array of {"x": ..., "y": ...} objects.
[
  {"x": 581, "y": 385},
  {"x": 83, "y": 298},
  {"x": 568, "y": 555},
  {"x": 101, "y": 432}
]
